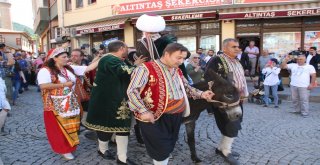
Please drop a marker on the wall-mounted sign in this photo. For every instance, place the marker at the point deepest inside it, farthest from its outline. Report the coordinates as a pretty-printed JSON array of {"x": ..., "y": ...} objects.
[
  {"x": 100, "y": 29},
  {"x": 188, "y": 16},
  {"x": 263, "y": 1},
  {"x": 271, "y": 14},
  {"x": 161, "y": 5}
]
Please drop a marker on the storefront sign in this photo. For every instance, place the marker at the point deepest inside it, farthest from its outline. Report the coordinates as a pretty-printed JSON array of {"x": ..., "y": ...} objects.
[
  {"x": 271, "y": 14},
  {"x": 182, "y": 17},
  {"x": 161, "y": 5},
  {"x": 263, "y": 1},
  {"x": 100, "y": 29}
]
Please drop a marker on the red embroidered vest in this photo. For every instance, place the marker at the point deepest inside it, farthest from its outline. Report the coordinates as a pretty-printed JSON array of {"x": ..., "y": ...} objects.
[{"x": 155, "y": 94}]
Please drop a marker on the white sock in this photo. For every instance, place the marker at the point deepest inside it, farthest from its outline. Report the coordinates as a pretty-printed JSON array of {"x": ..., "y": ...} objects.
[
  {"x": 103, "y": 146},
  {"x": 84, "y": 117},
  {"x": 164, "y": 162},
  {"x": 225, "y": 145},
  {"x": 122, "y": 145}
]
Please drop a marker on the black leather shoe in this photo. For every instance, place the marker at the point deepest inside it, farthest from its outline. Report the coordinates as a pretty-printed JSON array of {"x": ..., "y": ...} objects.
[
  {"x": 235, "y": 154},
  {"x": 107, "y": 155},
  {"x": 129, "y": 162},
  {"x": 229, "y": 158}
]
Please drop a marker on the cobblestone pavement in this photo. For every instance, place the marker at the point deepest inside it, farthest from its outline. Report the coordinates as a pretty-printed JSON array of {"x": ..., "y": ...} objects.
[{"x": 269, "y": 136}]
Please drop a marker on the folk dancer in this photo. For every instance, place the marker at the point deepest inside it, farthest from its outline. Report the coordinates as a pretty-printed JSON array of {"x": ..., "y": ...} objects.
[{"x": 158, "y": 97}]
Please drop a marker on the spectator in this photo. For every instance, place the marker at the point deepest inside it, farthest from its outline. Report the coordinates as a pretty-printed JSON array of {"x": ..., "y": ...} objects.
[
  {"x": 77, "y": 58},
  {"x": 202, "y": 57},
  {"x": 193, "y": 68},
  {"x": 253, "y": 53},
  {"x": 245, "y": 62},
  {"x": 21, "y": 58},
  {"x": 38, "y": 63},
  {"x": 271, "y": 72},
  {"x": 16, "y": 79},
  {"x": 4, "y": 105},
  {"x": 300, "y": 83},
  {"x": 27, "y": 72},
  {"x": 6, "y": 61},
  {"x": 210, "y": 54},
  {"x": 262, "y": 62},
  {"x": 313, "y": 58}
]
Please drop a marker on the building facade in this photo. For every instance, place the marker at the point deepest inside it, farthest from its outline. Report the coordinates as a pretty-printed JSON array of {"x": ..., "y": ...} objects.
[
  {"x": 16, "y": 40},
  {"x": 277, "y": 25},
  {"x": 5, "y": 16}
]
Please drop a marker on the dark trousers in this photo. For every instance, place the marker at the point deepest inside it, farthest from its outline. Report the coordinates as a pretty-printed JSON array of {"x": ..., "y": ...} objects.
[
  {"x": 25, "y": 85},
  {"x": 161, "y": 137},
  {"x": 106, "y": 136}
]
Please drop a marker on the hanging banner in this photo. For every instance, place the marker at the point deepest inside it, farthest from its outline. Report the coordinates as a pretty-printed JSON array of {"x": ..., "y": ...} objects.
[{"x": 161, "y": 5}]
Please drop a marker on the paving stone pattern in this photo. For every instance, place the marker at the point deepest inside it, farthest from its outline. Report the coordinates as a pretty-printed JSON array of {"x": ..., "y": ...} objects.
[{"x": 269, "y": 136}]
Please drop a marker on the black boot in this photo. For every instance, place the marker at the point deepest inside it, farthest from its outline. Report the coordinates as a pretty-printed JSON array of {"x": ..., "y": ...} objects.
[
  {"x": 229, "y": 158},
  {"x": 129, "y": 162},
  {"x": 107, "y": 155}
]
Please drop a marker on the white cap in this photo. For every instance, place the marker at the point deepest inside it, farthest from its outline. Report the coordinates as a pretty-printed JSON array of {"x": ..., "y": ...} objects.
[{"x": 151, "y": 23}]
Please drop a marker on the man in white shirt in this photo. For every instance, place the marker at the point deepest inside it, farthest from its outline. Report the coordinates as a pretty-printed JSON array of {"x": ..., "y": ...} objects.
[
  {"x": 253, "y": 52},
  {"x": 210, "y": 54},
  {"x": 300, "y": 83}
]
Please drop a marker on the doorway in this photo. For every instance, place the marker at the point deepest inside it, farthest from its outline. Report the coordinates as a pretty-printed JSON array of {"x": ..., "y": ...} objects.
[{"x": 245, "y": 40}]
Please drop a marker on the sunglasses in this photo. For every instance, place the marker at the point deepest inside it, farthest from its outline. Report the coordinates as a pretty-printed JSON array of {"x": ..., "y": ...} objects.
[{"x": 196, "y": 57}]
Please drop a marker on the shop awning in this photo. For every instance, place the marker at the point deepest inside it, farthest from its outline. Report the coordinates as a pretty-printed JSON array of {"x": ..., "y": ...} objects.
[
  {"x": 269, "y": 12},
  {"x": 185, "y": 16},
  {"x": 101, "y": 26}
]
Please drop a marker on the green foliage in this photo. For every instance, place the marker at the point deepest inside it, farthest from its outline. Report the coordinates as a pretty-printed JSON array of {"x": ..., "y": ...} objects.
[{"x": 20, "y": 27}]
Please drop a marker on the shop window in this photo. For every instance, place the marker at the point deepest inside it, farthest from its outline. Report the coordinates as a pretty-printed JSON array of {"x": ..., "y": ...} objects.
[
  {"x": 287, "y": 22},
  {"x": 210, "y": 25},
  {"x": 79, "y": 3},
  {"x": 188, "y": 42},
  {"x": 68, "y": 5},
  {"x": 281, "y": 43},
  {"x": 92, "y": 1},
  {"x": 210, "y": 42},
  {"x": 104, "y": 37},
  {"x": 312, "y": 38}
]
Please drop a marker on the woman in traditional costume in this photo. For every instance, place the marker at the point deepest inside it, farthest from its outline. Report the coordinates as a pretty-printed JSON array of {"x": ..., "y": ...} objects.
[{"x": 57, "y": 78}]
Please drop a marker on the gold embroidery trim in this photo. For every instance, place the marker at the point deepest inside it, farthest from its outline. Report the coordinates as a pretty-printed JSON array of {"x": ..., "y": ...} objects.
[
  {"x": 123, "y": 111},
  {"x": 106, "y": 129}
]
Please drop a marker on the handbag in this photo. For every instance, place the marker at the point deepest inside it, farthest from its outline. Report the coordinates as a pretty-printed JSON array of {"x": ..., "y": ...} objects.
[
  {"x": 9, "y": 72},
  {"x": 82, "y": 94},
  {"x": 67, "y": 106}
]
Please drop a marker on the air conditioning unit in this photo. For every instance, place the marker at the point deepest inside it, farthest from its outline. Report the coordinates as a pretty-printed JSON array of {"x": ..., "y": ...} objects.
[{"x": 73, "y": 32}]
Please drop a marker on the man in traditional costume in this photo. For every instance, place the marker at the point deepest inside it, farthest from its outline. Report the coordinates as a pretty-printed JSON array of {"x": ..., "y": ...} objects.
[
  {"x": 158, "y": 97},
  {"x": 152, "y": 43},
  {"x": 228, "y": 67},
  {"x": 108, "y": 111}
]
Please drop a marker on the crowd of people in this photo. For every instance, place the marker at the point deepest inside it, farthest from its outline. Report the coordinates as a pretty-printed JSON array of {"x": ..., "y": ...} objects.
[{"x": 151, "y": 85}]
